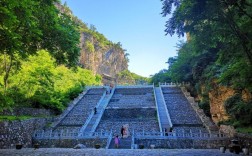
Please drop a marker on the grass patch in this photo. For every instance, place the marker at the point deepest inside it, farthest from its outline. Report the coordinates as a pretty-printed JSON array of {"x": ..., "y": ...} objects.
[
  {"x": 12, "y": 118},
  {"x": 247, "y": 130}
]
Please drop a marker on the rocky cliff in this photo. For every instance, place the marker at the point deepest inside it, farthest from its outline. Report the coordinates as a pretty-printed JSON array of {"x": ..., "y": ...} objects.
[
  {"x": 98, "y": 53},
  {"x": 217, "y": 98},
  {"x": 102, "y": 59},
  {"x": 218, "y": 95}
]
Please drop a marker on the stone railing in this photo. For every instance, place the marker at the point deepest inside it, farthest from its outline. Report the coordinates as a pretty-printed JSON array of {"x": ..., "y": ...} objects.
[
  {"x": 135, "y": 86},
  {"x": 173, "y": 84},
  {"x": 210, "y": 126},
  {"x": 50, "y": 134},
  {"x": 191, "y": 135}
]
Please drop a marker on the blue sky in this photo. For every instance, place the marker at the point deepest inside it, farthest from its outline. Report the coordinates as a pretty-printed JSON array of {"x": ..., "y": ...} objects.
[{"x": 137, "y": 24}]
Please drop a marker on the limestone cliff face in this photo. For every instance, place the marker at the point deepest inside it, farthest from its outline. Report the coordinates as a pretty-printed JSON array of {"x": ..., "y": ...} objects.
[
  {"x": 104, "y": 60},
  {"x": 217, "y": 98},
  {"x": 97, "y": 53}
]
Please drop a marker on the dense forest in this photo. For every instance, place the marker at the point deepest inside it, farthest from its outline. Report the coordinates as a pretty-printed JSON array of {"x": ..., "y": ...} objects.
[{"x": 218, "y": 52}]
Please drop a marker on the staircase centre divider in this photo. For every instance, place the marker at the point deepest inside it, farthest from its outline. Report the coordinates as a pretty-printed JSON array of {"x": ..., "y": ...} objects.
[
  {"x": 103, "y": 109},
  {"x": 159, "y": 123},
  {"x": 167, "y": 112}
]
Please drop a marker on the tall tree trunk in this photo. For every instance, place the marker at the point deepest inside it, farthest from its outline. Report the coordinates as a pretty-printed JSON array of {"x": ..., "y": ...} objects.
[{"x": 7, "y": 68}]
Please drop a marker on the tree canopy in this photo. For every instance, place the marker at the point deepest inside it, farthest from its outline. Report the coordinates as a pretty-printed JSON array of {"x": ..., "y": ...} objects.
[
  {"x": 218, "y": 47},
  {"x": 42, "y": 83},
  {"x": 39, "y": 52},
  {"x": 27, "y": 26}
]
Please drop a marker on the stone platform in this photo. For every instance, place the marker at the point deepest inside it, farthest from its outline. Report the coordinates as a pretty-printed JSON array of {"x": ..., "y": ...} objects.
[{"x": 113, "y": 152}]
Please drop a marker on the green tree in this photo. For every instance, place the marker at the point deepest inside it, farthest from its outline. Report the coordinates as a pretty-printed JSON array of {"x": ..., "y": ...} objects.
[
  {"x": 226, "y": 22},
  {"x": 219, "y": 46},
  {"x": 161, "y": 76},
  {"x": 41, "y": 83},
  {"x": 26, "y": 26}
]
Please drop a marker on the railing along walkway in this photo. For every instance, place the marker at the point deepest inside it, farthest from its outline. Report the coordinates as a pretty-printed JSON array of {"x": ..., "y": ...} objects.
[
  {"x": 174, "y": 135},
  {"x": 50, "y": 134},
  {"x": 163, "y": 114}
]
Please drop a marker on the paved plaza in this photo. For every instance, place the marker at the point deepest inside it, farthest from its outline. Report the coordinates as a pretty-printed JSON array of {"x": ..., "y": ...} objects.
[{"x": 112, "y": 152}]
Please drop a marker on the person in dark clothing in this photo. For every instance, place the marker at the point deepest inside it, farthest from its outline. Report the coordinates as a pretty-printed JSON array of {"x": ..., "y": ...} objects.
[
  {"x": 95, "y": 110},
  {"x": 122, "y": 131},
  {"x": 166, "y": 132}
]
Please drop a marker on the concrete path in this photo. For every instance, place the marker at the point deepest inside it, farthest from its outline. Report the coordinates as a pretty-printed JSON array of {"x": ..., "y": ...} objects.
[{"x": 112, "y": 152}]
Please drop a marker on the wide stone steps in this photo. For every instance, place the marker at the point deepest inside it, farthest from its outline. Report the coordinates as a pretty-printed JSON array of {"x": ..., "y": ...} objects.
[{"x": 124, "y": 143}]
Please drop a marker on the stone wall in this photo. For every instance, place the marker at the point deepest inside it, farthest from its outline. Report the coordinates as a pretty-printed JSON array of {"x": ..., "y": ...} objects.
[
  {"x": 28, "y": 112},
  {"x": 228, "y": 130},
  {"x": 70, "y": 143},
  {"x": 182, "y": 143},
  {"x": 13, "y": 132},
  {"x": 133, "y": 113}
]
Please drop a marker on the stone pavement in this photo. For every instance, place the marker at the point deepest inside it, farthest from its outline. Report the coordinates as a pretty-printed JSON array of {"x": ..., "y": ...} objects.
[{"x": 112, "y": 152}]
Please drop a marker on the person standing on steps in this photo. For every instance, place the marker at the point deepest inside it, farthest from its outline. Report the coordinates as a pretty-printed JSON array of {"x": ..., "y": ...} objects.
[
  {"x": 95, "y": 110},
  {"x": 117, "y": 141},
  {"x": 122, "y": 131}
]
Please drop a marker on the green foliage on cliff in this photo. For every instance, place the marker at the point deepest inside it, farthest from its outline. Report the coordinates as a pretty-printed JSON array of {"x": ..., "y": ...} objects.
[
  {"x": 41, "y": 83},
  {"x": 128, "y": 78},
  {"x": 239, "y": 110},
  {"x": 89, "y": 46},
  {"x": 219, "y": 47}
]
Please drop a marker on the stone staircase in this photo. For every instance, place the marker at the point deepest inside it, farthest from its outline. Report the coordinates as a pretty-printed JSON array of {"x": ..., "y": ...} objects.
[
  {"x": 164, "y": 118},
  {"x": 124, "y": 143},
  {"x": 136, "y": 107},
  {"x": 96, "y": 117},
  {"x": 132, "y": 106},
  {"x": 183, "y": 116},
  {"x": 77, "y": 116}
]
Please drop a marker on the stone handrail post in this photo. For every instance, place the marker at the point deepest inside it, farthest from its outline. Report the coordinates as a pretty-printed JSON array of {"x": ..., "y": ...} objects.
[
  {"x": 133, "y": 139},
  {"x": 109, "y": 139}
]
